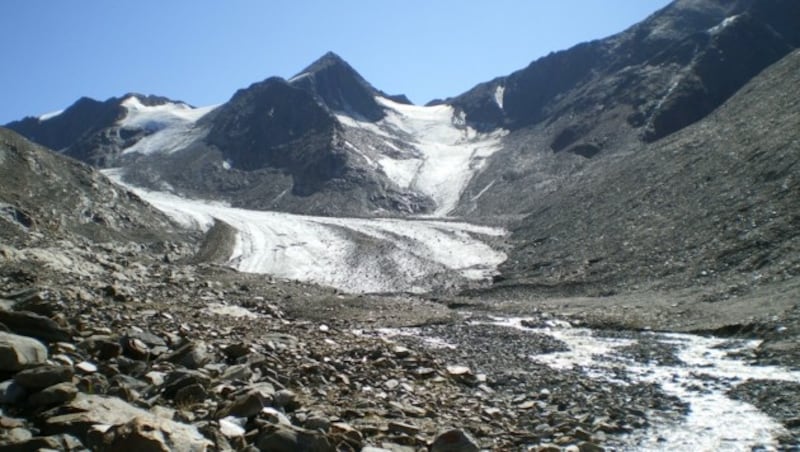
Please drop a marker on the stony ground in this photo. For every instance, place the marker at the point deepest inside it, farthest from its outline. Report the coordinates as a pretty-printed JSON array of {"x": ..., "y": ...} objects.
[{"x": 148, "y": 353}]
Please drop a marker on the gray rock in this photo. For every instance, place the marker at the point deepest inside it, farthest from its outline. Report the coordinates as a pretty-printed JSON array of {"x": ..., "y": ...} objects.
[
  {"x": 18, "y": 352},
  {"x": 86, "y": 411},
  {"x": 193, "y": 355},
  {"x": 137, "y": 435},
  {"x": 43, "y": 376},
  {"x": 178, "y": 379},
  {"x": 46, "y": 443},
  {"x": 290, "y": 439},
  {"x": 251, "y": 402},
  {"x": 454, "y": 441},
  {"x": 53, "y": 395},
  {"x": 12, "y": 393},
  {"x": 34, "y": 325}
]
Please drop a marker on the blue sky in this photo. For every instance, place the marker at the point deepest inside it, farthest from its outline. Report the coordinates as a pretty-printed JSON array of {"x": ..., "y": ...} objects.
[{"x": 202, "y": 51}]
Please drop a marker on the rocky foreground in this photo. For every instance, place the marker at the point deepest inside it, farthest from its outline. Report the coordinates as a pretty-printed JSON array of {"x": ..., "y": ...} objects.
[{"x": 125, "y": 353}]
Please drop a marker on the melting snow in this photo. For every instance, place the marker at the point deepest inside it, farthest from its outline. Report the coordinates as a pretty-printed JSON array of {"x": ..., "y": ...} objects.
[
  {"x": 172, "y": 125},
  {"x": 442, "y": 155},
  {"x": 353, "y": 254},
  {"x": 715, "y": 422}
]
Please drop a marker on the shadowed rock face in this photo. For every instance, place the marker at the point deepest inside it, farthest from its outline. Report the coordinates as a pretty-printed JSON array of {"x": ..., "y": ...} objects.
[
  {"x": 274, "y": 124},
  {"x": 337, "y": 85},
  {"x": 668, "y": 71}
]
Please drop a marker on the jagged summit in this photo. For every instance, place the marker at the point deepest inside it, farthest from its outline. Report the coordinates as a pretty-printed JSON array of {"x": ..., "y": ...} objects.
[{"x": 335, "y": 83}]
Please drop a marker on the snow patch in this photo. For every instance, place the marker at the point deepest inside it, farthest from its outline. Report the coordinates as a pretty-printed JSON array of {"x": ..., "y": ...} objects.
[
  {"x": 171, "y": 125},
  {"x": 498, "y": 95},
  {"x": 722, "y": 25},
  {"x": 50, "y": 115},
  {"x": 441, "y": 153}
]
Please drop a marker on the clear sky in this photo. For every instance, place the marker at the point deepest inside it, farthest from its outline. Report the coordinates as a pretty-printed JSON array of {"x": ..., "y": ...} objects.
[{"x": 202, "y": 51}]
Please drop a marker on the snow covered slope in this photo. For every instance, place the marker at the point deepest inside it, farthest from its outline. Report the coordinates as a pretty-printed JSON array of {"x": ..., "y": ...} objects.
[
  {"x": 352, "y": 254},
  {"x": 171, "y": 126},
  {"x": 429, "y": 149}
]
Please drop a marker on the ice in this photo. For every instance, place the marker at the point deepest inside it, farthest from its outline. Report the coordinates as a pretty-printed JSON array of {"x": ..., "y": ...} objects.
[
  {"x": 442, "y": 154},
  {"x": 352, "y": 254},
  {"x": 171, "y": 125}
]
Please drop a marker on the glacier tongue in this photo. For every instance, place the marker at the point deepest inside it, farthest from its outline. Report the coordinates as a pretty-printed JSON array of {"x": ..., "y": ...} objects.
[
  {"x": 352, "y": 254},
  {"x": 426, "y": 149}
]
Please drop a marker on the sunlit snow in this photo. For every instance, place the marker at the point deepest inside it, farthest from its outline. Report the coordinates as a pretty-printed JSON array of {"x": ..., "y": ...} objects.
[
  {"x": 50, "y": 115},
  {"x": 352, "y": 254},
  {"x": 499, "y": 92},
  {"x": 441, "y": 154},
  {"x": 171, "y": 125}
]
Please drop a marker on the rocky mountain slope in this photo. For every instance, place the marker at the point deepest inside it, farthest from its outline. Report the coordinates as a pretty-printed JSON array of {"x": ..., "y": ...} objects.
[
  {"x": 45, "y": 197},
  {"x": 715, "y": 204}
]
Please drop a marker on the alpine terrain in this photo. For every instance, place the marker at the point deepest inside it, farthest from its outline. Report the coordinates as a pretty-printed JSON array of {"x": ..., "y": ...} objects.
[{"x": 599, "y": 251}]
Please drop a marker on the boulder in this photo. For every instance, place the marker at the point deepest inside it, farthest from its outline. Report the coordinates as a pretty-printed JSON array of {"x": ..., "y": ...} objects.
[
  {"x": 53, "y": 395},
  {"x": 18, "y": 352},
  {"x": 34, "y": 325},
  {"x": 43, "y": 376},
  {"x": 454, "y": 441},
  {"x": 87, "y": 411},
  {"x": 292, "y": 439}
]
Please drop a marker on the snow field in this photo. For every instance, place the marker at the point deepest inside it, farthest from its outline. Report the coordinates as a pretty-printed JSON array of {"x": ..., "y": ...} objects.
[{"x": 352, "y": 254}]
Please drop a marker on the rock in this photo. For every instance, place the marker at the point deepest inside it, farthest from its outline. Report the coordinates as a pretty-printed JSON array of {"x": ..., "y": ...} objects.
[
  {"x": 232, "y": 427},
  {"x": 53, "y": 395},
  {"x": 401, "y": 427},
  {"x": 134, "y": 348},
  {"x": 17, "y": 435},
  {"x": 86, "y": 367},
  {"x": 46, "y": 443},
  {"x": 192, "y": 355},
  {"x": 137, "y": 435},
  {"x": 86, "y": 411},
  {"x": 285, "y": 399},
  {"x": 342, "y": 432},
  {"x": 34, "y": 325},
  {"x": 274, "y": 416},
  {"x": 12, "y": 393},
  {"x": 587, "y": 446},
  {"x": 181, "y": 378},
  {"x": 462, "y": 374},
  {"x": 454, "y": 441},
  {"x": 101, "y": 346},
  {"x": 43, "y": 376},
  {"x": 194, "y": 393},
  {"x": 236, "y": 351},
  {"x": 292, "y": 439},
  {"x": 18, "y": 352},
  {"x": 251, "y": 402},
  {"x": 582, "y": 434}
]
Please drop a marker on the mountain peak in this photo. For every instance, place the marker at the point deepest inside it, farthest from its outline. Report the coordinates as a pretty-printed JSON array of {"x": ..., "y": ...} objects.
[{"x": 335, "y": 84}]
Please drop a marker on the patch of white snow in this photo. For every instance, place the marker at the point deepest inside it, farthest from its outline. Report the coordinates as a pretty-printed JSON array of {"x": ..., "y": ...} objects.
[
  {"x": 498, "y": 95},
  {"x": 50, "y": 115},
  {"x": 442, "y": 154},
  {"x": 171, "y": 125}
]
